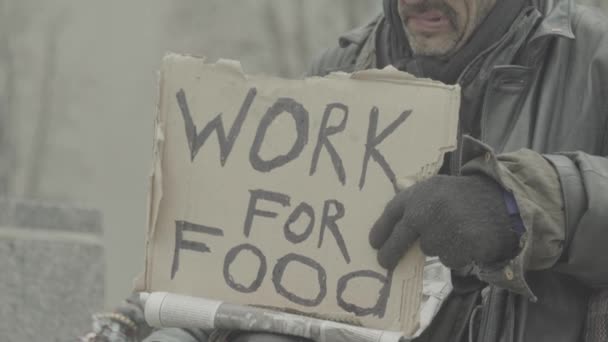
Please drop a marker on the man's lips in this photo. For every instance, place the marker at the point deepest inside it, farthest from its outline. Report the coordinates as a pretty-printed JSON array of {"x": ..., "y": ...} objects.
[{"x": 432, "y": 21}]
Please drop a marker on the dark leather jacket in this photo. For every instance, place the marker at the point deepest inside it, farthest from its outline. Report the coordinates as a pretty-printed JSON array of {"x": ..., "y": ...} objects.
[{"x": 543, "y": 87}]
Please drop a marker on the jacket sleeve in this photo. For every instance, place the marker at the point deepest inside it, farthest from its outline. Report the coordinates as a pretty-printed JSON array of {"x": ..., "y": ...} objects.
[
  {"x": 567, "y": 231},
  {"x": 536, "y": 187},
  {"x": 584, "y": 180},
  {"x": 563, "y": 202},
  {"x": 584, "y": 177},
  {"x": 343, "y": 57}
]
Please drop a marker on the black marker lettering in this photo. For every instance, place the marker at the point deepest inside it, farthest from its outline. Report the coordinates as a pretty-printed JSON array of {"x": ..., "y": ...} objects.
[
  {"x": 180, "y": 243},
  {"x": 378, "y": 310},
  {"x": 300, "y": 116},
  {"x": 371, "y": 147},
  {"x": 323, "y": 141},
  {"x": 303, "y": 208},
  {"x": 279, "y": 270},
  {"x": 231, "y": 256},
  {"x": 252, "y": 209},
  {"x": 329, "y": 221},
  {"x": 197, "y": 140}
]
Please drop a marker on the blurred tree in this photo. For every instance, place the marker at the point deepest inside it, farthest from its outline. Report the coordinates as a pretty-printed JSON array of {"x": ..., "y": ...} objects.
[
  {"x": 279, "y": 37},
  {"x": 275, "y": 30},
  {"x": 294, "y": 28},
  {"x": 12, "y": 24},
  {"x": 22, "y": 165},
  {"x": 42, "y": 125}
]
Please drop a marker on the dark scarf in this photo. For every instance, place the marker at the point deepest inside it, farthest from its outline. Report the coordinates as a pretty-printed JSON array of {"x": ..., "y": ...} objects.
[{"x": 393, "y": 47}]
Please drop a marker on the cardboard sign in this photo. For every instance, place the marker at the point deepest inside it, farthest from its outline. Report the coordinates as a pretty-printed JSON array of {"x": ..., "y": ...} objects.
[{"x": 264, "y": 190}]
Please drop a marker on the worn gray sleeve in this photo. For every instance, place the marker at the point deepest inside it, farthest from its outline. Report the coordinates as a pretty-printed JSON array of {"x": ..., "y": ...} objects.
[
  {"x": 585, "y": 182},
  {"x": 537, "y": 190}
]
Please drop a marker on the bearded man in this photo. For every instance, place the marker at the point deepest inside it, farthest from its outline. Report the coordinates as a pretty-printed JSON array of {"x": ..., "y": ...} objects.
[
  {"x": 523, "y": 231},
  {"x": 520, "y": 212}
]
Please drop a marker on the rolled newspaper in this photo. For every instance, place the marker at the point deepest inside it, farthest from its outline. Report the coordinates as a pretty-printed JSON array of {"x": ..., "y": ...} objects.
[{"x": 167, "y": 310}]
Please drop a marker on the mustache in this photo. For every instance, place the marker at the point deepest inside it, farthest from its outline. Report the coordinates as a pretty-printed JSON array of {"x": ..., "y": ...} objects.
[{"x": 429, "y": 5}]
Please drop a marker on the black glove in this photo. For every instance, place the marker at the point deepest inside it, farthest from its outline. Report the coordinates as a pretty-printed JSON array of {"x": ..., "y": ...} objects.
[{"x": 459, "y": 219}]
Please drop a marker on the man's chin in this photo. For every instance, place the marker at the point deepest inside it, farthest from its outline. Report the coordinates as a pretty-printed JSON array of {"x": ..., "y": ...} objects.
[
  {"x": 432, "y": 46},
  {"x": 422, "y": 46}
]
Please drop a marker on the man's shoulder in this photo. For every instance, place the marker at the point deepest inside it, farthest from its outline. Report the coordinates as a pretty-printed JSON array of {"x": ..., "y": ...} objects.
[
  {"x": 337, "y": 58},
  {"x": 589, "y": 23},
  {"x": 343, "y": 56}
]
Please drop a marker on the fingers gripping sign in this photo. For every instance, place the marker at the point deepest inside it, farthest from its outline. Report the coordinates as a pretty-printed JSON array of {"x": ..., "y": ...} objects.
[{"x": 462, "y": 220}]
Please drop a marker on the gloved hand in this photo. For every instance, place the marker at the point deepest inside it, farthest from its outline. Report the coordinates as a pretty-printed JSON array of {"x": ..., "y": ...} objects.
[{"x": 460, "y": 219}]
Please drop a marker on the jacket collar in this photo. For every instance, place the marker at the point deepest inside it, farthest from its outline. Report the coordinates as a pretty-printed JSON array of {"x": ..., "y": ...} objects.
[
  {"x": 359, "y": 35},
  {"x": 557, "y": 18}
]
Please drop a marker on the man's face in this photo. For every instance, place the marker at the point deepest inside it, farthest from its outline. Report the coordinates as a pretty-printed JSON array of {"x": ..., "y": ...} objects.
[{"x": 441, "y": 27}]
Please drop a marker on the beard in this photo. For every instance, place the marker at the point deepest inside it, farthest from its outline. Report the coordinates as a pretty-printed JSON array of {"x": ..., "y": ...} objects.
[
  {"x": 431, "y": 44},
  {"x": 463, "y": 25}
]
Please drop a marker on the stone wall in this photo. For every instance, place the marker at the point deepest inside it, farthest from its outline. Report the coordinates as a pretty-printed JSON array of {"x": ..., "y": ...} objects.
[{"x": 52, "y": 262}]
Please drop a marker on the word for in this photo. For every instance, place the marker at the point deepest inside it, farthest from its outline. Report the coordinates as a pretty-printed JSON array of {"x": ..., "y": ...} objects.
[{"x": 333, "y": 211}]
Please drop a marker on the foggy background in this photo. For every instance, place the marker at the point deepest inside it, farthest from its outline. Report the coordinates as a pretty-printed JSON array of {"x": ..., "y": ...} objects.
[{"x": 78, "y": 83}]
